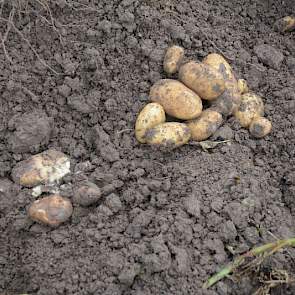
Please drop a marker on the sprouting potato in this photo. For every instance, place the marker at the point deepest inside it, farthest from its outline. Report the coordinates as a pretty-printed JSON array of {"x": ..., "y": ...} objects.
[
  {"x": 260, "y": 127},
  {"x": 46, "y": 167},
  {"x": 228, "y": 102},
  {"x": 168, "y": 135},
  {"x": 285, "y": 24},
  {"x": 172, "y": 59},
  {"x": 243, "y": 86},
  {"x": 151, "y": 115},
  {"x": 251, "y": 107},
  {"x": 177, "y": 100},
  {"x": 52, "y": 210},
  {"x": 206, "y": 125},
  {"x": 206, "y": 81}
]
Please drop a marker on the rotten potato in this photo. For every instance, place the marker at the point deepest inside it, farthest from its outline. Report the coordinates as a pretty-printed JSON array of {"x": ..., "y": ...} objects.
[
  {"x": 260, "y": 127},
  {"x": 177, "y": 100},
  {"x": 204, "y": 126},
  {"x": 243, "y": 86},
  {"x": 228, "y": 102},
  {"x": 151, "y": 115},
  {"x": 46, "y": 167},
  {"x": 285, "y": 24},
  {"x": 251, "y": 107},
  {"x": 169, "y": 135},
  {"x": 172, "y": 59},
  {"x": 206, "y": 81},
  {"x": 52, "y": 210}
]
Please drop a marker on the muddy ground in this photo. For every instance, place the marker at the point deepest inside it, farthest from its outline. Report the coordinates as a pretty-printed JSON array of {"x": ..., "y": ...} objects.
[{"x": 169, "y": 218}]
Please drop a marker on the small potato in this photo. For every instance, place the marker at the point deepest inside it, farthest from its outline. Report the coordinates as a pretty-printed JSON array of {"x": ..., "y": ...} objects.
[
  {"x": 260, "y": 127},
  {"x": 285, "y": 24},
  {"x": 172, "y": 59},
  {"x": 151, "y": 115},
  {"x": 52, "y": 210},
  {"x": 229, "y": 101},
  {"x": 206, "y": 125},
  {"x": 169, "y": 135},
  {"x": 251, "y": 107},
  {"x": 177, "y": 100},
  {"x": 87, "y": 194},
  {"x": 46, "y": 167},
  {"x": 203, "y": 79},
  {"x": 243, "y": 86}
]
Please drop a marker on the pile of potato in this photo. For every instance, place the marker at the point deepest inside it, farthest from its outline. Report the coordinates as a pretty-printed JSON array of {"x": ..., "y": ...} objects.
[{"x": 211, "y": 82}]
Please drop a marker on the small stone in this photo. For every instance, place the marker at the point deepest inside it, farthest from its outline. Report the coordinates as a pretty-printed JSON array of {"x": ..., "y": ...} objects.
[
  {"x": 129, "y": 273},
  {"x": 223, "y": 133},
  {"x": 87, "y": 194},
  {"x": 192, "y": 206},
  {"x": 269, "y": 55},
  {"x": 113, "y": 202},
  {"x": 64, "y": 90}
]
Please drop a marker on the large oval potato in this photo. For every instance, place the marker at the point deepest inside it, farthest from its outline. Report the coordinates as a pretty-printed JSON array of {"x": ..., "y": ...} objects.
[
  {"x": 203, "y": 79},
  {"x": 229, "y": 101},
  {"x": 285, "y": 24},
  {"x": 169, "y": 135},
  {"x": 46, "y": 167},
  {"x": 172, "y": 59},
  {"x": 52, "y": 210},
  {"x": 204, "y": 126},
  {"x": 151, "y": 115},
  {"x": 177, "y": 100},
  {"x": 251, "y": 107},
  {"x": 260, "y": 127}
]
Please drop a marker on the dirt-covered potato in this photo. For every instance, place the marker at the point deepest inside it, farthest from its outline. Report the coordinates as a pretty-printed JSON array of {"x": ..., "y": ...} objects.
[
  {"x": 87, "y": 193},
  {"x": 46, "y": 167},
  {"x": 251, "y": 107},
  {"x": 243, "y": 86},
  {"x": 168, "y": 135},
  {"x": 203, "y": 79},
  {"x": 172, "y": 59},
  {"x": 285, "y": 24},
  {"x": 228, "y": 102},
  {"x": 52, "y": 210},
  {"x": 151, "y": 115},
  {"x": 177, "y": 100},
  {"x": 260, "y": 127},
  {"x": 204, "y": 126}
]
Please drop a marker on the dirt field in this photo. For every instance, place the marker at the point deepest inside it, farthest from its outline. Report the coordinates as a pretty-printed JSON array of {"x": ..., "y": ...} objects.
[{"x": 169, "y": 218}]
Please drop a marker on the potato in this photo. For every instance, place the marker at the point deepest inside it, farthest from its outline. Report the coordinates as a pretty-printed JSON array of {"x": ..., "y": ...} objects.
[
  {"x": 168, "y": 135},
  {"x": 251, "y": 107},
  {"x": 285, "y": 24},
  {"x": 87, "y": 194},
  {"x": 172, "y": 59},
  {"x": 202, "y": 79},
  {"x": 229, "y": 101},
  {"x": 260, "y": 127},
  {"x": 204, "y": 126},
  {"x": 177, "y": 100},
  {"x": 46, "y": 167},
  {"x": 243, "y": 86},
  {"x": 151, "y": 115},
  {"x": 52, "y": 210}
]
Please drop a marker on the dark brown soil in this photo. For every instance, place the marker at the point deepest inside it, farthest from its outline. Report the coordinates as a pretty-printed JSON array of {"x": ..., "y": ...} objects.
[{"x": 166, "y": 219}]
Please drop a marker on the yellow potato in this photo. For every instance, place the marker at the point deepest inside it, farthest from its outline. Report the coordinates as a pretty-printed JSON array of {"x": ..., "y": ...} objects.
[
  {"x": 203, "y": 79},
  {"x": 229, "y": 101},
  {"x": 206, "y": 125},
  {"x": 243, "y": 86},
  {"x": 177, "y": 100},
  {"x": 172, "y": 59},
  {"x": 52, "y": 210},
  {"x": 251, "y": 107},
  {"x": 168, "y": 135},
  {"x": 46, "y": 167},
  {"x": 285, "y": 24},
  {"x": 151, "y": 115},
  {"x": 260, "y": 127}
]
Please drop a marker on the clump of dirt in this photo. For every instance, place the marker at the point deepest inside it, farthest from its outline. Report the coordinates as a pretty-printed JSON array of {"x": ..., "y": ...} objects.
[{"x": 165, "y": 221}]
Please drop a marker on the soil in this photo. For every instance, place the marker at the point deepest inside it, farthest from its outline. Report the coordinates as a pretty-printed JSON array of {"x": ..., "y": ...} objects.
[{"x": 164, "y": 220}]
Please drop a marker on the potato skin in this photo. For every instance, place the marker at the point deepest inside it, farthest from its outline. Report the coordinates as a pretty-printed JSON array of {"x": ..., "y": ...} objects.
[
  {"x": 285, "y": 24},
  {"x": 52, "y": 210},
  {"x": 151, "y": 115},
  {"x": 243, "y": 86},
  {"x": 177, "y": 100},
  {"x": 203, "y": 79},
  {"x": 169, "y": 135},
  {"x": 229, "y": 101},
  {"x": 206, "y": 125},
  {"x": 172, "y": 59},
  {"x": 251, "y": 107},
  {"x": 260, "y": 127}
]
